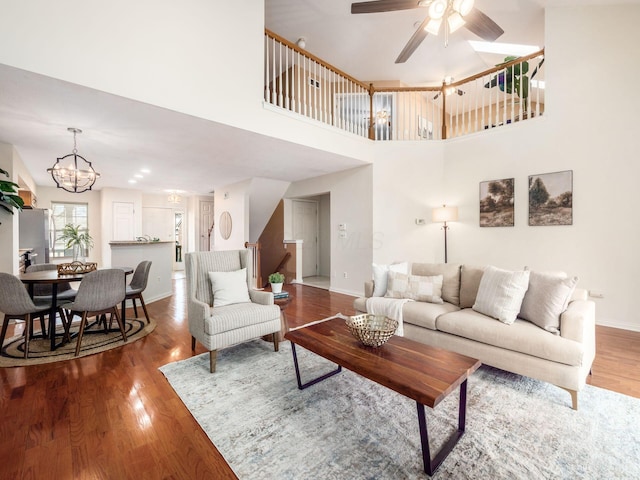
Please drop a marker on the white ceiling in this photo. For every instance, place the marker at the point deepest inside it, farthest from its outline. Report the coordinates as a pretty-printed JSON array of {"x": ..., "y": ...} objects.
[{"x": 122, "y": 136}]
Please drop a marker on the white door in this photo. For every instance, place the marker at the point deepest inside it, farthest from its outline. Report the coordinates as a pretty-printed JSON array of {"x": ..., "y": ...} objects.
[
  {"x": 206, "y": 225},
  {"x": 305, "y": 228},
  {"x": 123, "y": 221}
]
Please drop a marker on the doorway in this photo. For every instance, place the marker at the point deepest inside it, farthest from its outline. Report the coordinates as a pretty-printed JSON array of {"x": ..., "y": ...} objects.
[{"x": 311, "y": 223}]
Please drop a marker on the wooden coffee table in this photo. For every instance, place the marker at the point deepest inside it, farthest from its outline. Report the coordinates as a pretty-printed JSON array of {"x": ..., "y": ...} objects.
[{"x": 423, "y": 373}]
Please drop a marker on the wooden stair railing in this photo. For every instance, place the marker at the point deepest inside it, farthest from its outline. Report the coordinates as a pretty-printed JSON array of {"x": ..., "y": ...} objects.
[
  {"x": 255, "y": 250},
  {"x": 280, "y": 266}
]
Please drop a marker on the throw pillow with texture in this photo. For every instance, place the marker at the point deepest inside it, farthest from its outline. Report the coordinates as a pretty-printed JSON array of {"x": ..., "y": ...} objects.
[
  {"x": 547, "y": 297},
  {"x": 414, "y": 287},
  {"x": 380, "y": 276},
  {"x": 450, "y": 278},
  {"x": 500, "y": 293},
  {"x": 229, "y": 287}
]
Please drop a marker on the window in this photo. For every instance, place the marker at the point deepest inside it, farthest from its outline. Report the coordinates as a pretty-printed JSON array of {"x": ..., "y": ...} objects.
[{"x": 61, "y": 215}]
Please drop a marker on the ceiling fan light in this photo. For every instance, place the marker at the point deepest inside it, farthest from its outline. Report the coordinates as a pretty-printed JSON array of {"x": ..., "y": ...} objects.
[
  {"x": 455, "y": 21},
  {"x": 463, "y": 7},
  {"x": 437, "y": 9},
  {"x": 433, "y": 27}
]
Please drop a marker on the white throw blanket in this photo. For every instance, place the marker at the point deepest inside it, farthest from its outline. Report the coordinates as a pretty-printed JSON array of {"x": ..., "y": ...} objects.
[{"x": 389, "y": 307}]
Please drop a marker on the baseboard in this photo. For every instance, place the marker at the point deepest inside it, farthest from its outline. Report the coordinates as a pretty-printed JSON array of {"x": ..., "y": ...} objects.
[
  {"x": 621, "y": 325},
  {"x": 345, "y": 292},
  {"x": 149, "y": 300}
]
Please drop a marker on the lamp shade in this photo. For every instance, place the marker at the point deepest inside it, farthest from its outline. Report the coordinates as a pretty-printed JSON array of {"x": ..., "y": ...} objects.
[{"x": 444, "y": 214}]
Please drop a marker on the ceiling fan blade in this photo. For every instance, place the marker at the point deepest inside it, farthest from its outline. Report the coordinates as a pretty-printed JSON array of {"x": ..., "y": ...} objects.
[
  {"x": 483, "y": 26},
  {"x": 383, "y": 6},
  {"x": 414, "y": 42}
]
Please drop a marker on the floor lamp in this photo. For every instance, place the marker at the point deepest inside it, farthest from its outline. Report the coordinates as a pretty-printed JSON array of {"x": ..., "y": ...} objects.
[{"x": 445, "y": 214}]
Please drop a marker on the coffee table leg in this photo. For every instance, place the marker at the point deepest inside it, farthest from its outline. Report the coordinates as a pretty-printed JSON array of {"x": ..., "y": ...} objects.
[
  {"x": 302, "y": 386},
  {"x": 430, "y": 466}
]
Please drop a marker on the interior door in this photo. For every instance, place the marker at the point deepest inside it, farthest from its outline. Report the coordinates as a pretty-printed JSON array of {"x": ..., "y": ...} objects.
[
  {"x": 123, "y": 225},
  {"x": 206, "y": 225},
  {"x": 305, "y": 228}
]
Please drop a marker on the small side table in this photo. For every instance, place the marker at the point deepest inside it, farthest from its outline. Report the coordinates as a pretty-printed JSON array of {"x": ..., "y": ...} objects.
[{"x": 283, "y": 303}]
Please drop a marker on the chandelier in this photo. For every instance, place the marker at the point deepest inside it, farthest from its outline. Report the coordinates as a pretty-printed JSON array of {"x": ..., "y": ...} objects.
[
  {"x": 73, "y": 172},
  {"x": 174, "y": 197},
  {"x": 449, "y": 12}
]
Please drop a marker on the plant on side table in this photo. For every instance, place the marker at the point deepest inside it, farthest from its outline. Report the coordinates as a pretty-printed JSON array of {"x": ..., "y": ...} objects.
[{"x": 276, "y": 280}]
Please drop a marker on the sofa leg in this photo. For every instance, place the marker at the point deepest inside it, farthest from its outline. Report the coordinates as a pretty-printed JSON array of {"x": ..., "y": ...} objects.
[
  {"x": 574, "y": 397},
  {"x": 193, "y": 342},
  {"x": 276, "y": 342},
  {"x": 213, "y": 354}
]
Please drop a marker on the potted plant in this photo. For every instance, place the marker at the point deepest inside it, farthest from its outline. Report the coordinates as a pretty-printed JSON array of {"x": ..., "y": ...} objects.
[
  {"x": 514, "y": 79},
  {"x": 9, "y": 198},
  {"x": 276, "y": 280},
  {"x": 79, "y": 242}
]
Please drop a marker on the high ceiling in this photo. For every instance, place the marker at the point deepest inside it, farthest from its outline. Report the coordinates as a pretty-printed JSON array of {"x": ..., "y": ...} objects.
[{"x": 196, "y": 156}]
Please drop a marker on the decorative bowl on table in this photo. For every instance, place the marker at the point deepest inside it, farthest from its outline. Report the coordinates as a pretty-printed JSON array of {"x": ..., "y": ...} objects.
[
  {"x": 76, "y": 267},
  {"x": 372, "y": 330}
]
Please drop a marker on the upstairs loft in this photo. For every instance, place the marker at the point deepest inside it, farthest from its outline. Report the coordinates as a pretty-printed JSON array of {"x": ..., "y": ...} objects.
[{"x": 299, "y": 82}]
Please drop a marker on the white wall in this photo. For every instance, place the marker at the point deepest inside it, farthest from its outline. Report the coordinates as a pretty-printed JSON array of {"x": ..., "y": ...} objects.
[
  {"x": 351, "y": 203},
  {"x": 588, "y": 127},
  {"x": 235, "y": 200},
  {"x": 264, "y": 196},
  {"x": 9, "y": 223}
]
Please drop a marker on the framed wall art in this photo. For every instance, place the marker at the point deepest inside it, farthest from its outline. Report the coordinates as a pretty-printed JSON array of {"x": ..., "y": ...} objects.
[
  {"x": 551, "y": 199},
  {"x": 497, "y": 203}
]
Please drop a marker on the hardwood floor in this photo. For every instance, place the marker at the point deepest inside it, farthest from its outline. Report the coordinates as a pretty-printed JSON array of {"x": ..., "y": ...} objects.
[{"x": 113, "y": 415}]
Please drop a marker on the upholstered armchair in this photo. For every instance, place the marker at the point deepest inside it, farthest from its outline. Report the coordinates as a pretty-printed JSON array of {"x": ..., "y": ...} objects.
[{"x": 222, "y": 306}]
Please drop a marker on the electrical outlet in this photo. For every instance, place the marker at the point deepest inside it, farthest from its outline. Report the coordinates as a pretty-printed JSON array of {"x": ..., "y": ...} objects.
[
  {"x": 596, "y": 294},
  {"x": 342, "y": 235},
  {"x": 345, "y": 275}
]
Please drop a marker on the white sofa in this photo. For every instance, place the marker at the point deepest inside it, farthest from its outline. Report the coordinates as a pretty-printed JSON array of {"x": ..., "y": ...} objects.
[{"x": 524, "y": 348}]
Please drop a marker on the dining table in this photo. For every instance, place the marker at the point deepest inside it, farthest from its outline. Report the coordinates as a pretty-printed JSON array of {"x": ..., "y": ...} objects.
[{"x": 51, "y": 277}]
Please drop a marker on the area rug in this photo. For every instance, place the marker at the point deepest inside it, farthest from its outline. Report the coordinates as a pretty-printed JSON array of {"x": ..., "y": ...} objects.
[
  {"x": 12, "y": 353},
  {"x": 347, "y": 427}
]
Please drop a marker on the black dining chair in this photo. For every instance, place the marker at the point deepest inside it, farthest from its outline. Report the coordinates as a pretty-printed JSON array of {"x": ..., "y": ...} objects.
[
  {"x": 101, "y": 292},
  {"x": 138, "y": 285},
  {"x": 16, "y": 304}
]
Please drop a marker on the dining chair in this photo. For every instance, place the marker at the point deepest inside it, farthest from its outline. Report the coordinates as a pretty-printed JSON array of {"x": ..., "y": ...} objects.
[
  {"x": 16, "y": 304},
  {"x": 138, "y": 285},
  {"x": 42, "y": 291},
  {"x": 100, "y": 292}
]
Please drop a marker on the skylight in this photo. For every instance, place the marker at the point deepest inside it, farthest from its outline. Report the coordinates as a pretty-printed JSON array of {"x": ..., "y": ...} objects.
[{"x": 503, "y": 48}]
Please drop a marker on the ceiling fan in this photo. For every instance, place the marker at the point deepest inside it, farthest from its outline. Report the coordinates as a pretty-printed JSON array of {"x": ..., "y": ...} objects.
[{"x": 452, "y": 13}]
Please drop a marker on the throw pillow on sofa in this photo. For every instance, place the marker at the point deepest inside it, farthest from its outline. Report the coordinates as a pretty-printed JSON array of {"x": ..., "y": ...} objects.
[
  {"x": 501, "y": 293},
  {"x": 547, "y": 297},
  {"x": 380, "y": 275},
  {"x": 450, "y": 278},
  {"x": 229, "y": 287},
  {"x": 470, "y": 277},
  {"x": 415, "y": 287}
]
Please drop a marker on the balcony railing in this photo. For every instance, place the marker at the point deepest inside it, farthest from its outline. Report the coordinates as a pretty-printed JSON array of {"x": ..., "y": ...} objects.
[{"x": 298, "y": 81}]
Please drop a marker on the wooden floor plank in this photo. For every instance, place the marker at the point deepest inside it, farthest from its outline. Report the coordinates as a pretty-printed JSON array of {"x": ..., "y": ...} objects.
[{"x": 114, "y": 415}]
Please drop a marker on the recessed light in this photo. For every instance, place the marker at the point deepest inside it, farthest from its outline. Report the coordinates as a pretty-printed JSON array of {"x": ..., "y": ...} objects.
[
  {"x": 503, "y": 48},
  {"x": 145, "y": 170},
  {"x": 132, "y": 181},
  {"x": 137, "y": 175}
]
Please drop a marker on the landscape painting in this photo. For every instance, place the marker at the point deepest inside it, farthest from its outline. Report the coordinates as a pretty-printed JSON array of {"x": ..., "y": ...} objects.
[
  {"x": 497, "y": 203},
  {"x": 551, "y": 199}
]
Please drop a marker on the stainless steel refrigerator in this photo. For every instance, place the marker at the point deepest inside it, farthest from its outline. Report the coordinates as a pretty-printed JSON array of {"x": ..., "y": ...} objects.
[{"x": 35, "y": 233}]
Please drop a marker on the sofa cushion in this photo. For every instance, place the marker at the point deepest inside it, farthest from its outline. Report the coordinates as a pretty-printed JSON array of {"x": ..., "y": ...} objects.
[
  {"x": 547, "y": 297},
  {"x": 450, "y": 278},
  {"x": 501, "y": 292},
  {"x": 425, "y": 314},
  {"x": 522, "y": 336},
  {"x": 380, "y": 276},
  {"x": 470, "y": 277},
  {"x": 415, "y": 287}
]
